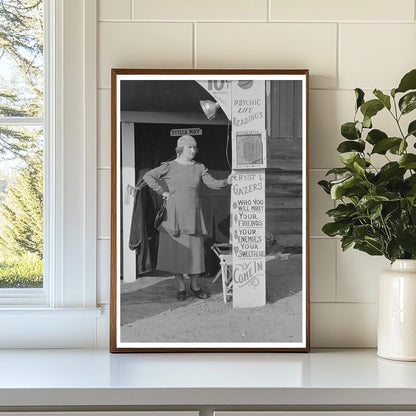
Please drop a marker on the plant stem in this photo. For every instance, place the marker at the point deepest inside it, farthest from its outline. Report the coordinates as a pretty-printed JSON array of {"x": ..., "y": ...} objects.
[
  {"x": 387, "y": 232},
  {"x": 397, "y": 118}
]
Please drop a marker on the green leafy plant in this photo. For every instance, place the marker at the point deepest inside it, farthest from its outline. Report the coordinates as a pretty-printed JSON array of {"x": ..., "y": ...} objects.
[{"x": 376, "y": 212}]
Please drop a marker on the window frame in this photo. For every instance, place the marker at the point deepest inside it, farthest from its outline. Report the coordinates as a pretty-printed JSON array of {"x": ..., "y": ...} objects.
[
  {"x": 37, "y": 296},
  {"x": 70, "y": 208}
]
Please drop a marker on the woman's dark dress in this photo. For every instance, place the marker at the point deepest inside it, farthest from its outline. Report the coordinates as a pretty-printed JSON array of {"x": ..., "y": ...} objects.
[{"x": 181, "y": 239}]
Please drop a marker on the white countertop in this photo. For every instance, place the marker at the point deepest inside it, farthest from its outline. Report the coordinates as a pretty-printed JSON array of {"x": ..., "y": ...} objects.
[{"x": 96, "y": 377}]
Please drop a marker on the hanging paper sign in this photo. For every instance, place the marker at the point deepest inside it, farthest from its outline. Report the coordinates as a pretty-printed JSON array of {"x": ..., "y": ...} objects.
[
  {"x": 248, "y": 231},
  {"x": 249, "y": 149},
  {"x": 181, "y": 132},
  {"x": 221, "y": 92}
]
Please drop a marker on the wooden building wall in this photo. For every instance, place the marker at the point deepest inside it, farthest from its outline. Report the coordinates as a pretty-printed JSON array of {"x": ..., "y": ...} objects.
[{"x": 284, "y": 165}]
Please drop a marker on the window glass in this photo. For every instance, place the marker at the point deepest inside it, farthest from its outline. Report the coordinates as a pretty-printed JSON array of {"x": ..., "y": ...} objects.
[
  {"x": 21, "y": 143},
  {"x": 21, "y": 58}
]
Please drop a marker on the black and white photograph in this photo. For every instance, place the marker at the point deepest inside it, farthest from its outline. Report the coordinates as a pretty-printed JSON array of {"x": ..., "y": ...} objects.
[{"x": 209, "y": 212}]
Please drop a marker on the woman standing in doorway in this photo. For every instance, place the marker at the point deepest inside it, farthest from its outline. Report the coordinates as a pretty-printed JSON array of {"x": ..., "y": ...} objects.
[{"x": 181, "y": 238}]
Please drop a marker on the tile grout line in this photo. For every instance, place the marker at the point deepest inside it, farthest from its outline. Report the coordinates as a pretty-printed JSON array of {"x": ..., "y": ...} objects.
[
  {"x": 269, "y": 11},
  {"x": 336, "y": 271},
  {"x": 194, "y": 63},
  {"x": 131, "y": 9},
  {"x": 338, "y": 63},
  {"x": 352, "y": 302},
  {"x": 306, "y": 22},
  {"x": 323, "y": 237}
]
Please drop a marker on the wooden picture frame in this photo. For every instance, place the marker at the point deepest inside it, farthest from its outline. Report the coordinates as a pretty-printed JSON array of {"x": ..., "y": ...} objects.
[{"x": 239, "y": 236}]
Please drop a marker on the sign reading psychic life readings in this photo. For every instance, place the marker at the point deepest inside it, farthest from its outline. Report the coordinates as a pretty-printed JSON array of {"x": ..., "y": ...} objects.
[{"x": 248, "y": 211}]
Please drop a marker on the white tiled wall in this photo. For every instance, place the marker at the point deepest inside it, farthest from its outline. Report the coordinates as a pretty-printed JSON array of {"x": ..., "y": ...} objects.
[{"x": 345, "y": 44}]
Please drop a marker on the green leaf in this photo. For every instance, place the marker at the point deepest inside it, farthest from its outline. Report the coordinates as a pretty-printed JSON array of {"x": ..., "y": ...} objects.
[
  {"x": 338, "y": 171},
  {"x": 342, "y": 211},
  {"x": 383, "y": 145},
  {"x": 361, "y": 231},
  {"x": 402, "y": 147},
  {"x": 371, "y": 108},
  {"x": 394, "y": 251},
  {"x": 374, "y": 136},
  {"x": 413, "y": 209},
  {"x": 380, "y": 189},
  {"x": 348, "y": 158},
  {"x": 408, "y": 161},
  {"x": 368, "y": 248},
  {"x": 346, "y": 242},
  {"x": 336, "y": 228},
  {"x": 391, "y": 170},
  {"x": 411, "y": 184},
  {"x": 391, "y": 212},
  {"x": 408, "y": 82},
  {"x": 385, "y": 99},
  {"x": 359, "y": 165},
  {"x": 411, "y": 130},
  {"x": 411, "y": 180},
  {"x": 354, "y": 161},
  {"x": 342, "y": 179},
  {"x": 375, "y": 211},
  {"x": 369, "y": 201},
  {"x": 407, "y": 239},
  {"x": 412, "y": 202},
  {"x": 408, "y": 102},
  {"x": 404, "y": 205},
  {"x": 325, "y": 186},
  {"x": 338, "y": 189},
  {"x": 349, "y": 131},
  {"x": 359, "y": 95},
  {"x": 392, "y": 196},
  {"x": 349, "y": 146},
  {"x": 374, "y": 242},
  {"x": 398, "y": 149},
  {"x": 367, "y": 122}
]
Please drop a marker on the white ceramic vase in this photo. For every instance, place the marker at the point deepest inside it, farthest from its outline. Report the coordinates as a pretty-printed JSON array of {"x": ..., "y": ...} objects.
[{"x": 397, "y": 312}]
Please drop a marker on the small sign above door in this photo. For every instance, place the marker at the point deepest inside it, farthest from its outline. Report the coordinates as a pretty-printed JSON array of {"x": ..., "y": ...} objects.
[{"x": 181, "y": 132}]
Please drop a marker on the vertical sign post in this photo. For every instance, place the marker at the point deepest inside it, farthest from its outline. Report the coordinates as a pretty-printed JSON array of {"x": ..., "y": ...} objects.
[
  {"x": 248, "y": 210},
  {"x": 244, "y": 104}
]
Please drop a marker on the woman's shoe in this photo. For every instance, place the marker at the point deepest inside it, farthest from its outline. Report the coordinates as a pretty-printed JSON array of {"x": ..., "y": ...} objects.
[
  {"x": 181, "y": 295},
  {"x": 200, "y": 293}
]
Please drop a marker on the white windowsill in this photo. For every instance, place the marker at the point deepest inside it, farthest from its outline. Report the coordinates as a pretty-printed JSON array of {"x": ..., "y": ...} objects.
[
  {"x": 334, "y": 378},
  {"x": 35, "y": 312},
  {"x": 42, "y": 327}
]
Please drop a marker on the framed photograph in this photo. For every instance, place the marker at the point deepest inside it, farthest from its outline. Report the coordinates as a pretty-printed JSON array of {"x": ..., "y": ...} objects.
[{"x": 209, "y": 211}]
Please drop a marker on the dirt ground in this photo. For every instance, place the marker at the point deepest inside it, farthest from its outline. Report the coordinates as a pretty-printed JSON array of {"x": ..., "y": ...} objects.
[{"x": 151, "y": 313}]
